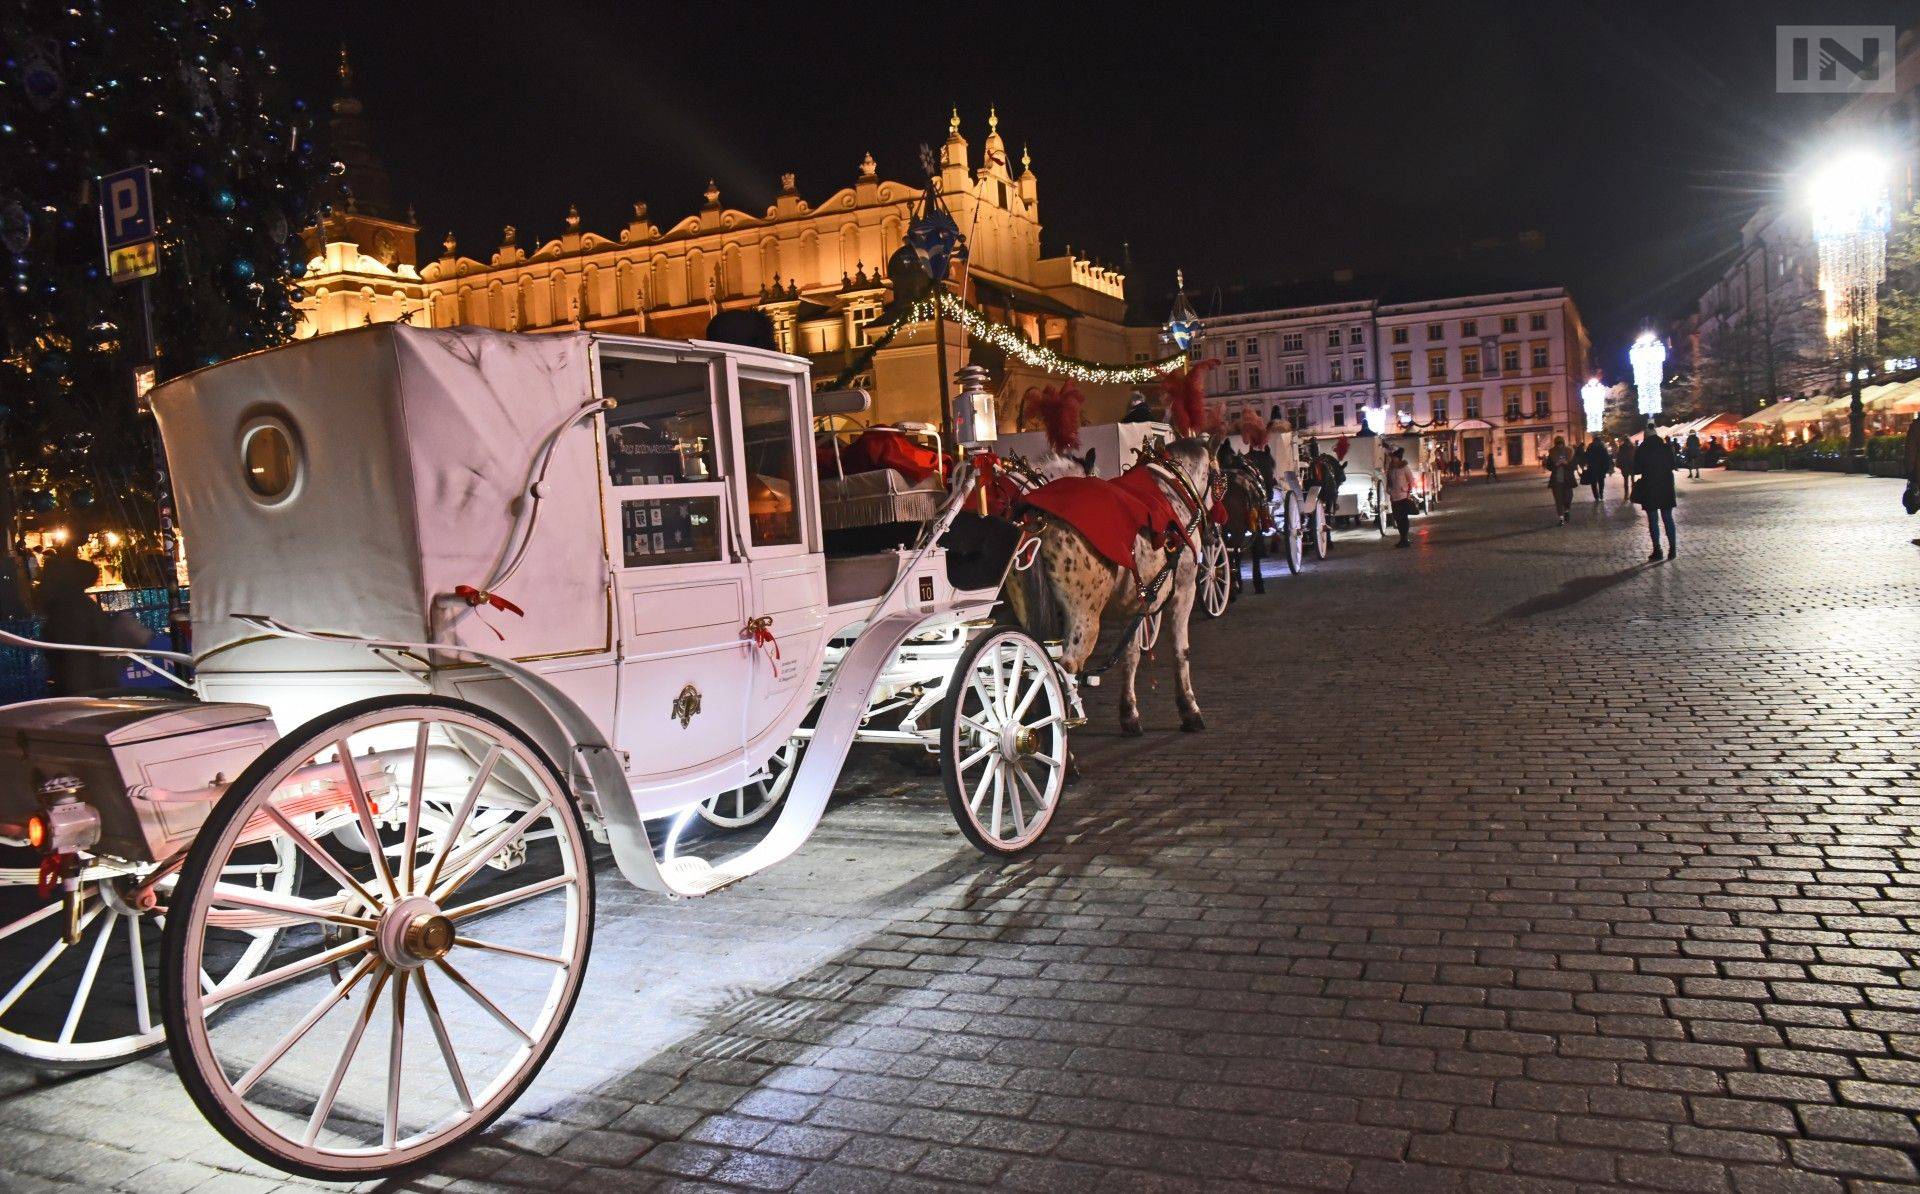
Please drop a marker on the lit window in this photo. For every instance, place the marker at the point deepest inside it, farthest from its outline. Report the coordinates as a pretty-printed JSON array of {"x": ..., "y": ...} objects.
[
  {"x": 1359, "y": 368},
  {"x": 1440, "y": 409},
  {"x": 1291, "y": 342},
  {"x": 1436, "y": 365},
  {"x": 1469, "y": 361},
  {"x": 1471, "y": 399},
  {"x": 1402, "y": 367},
  {"x": 1333, "y": 370},
  {"x": 1542, "y": 403},
  {"x": 1436, "y": 331},
  {"x": 1510, "y": 358}
]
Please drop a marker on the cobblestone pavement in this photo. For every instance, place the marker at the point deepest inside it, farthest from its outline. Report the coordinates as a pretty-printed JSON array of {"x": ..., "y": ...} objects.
[{"x": 1509, "y": 862}]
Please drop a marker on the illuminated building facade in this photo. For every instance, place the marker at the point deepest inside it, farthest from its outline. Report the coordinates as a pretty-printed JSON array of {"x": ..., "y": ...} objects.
[{"x": 816, "y": 268}]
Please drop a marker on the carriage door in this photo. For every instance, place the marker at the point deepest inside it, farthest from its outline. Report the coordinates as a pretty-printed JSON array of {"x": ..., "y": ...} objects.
[
  {"x": 680, "y": 576},
  {"x": 777, "y": 487}
]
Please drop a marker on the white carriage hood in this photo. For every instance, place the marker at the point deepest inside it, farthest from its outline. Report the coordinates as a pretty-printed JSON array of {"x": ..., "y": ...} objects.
[{"x": 416, "y": 450}]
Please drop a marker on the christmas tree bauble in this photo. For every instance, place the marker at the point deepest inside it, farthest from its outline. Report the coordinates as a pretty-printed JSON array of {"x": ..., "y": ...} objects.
[
  {"x": 83, "y": 498},
  {"x": 243, "y": 269},
  {"x": 223, "y": 200}
]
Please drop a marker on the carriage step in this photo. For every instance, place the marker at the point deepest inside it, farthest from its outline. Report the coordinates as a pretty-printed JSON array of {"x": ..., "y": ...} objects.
[{"x": 698, "y": 876}]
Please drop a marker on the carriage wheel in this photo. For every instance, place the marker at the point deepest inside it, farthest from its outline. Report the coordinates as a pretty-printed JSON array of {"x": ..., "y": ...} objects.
[
  {"x": 1383, "y": 513},
  {"x": 1292, "y": 529},
  {"x": 1322, "y": 532},
  {"x": 1003, "y": 742},
  {"x": 745, "y": 805},
  {"x": 1148, "y": 632},
  {"x": 91, "y": 1003},
  {"x": 453, "y": 952},
  {"x": 1216, "y": 577}
]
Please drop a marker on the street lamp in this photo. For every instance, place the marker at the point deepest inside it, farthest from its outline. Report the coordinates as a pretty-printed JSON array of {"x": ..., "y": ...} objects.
[
  {"x": 1648, "y": 356},
  {"x": 1593, "y": 396},
  {"x": 1182, "y": 328},
  {"x": 1851, "y": 216}
]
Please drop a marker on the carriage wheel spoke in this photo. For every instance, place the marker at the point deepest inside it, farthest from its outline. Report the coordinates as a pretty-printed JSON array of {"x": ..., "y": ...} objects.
[
  {"x": 980, "y": 788},
  {"x": 318, "y": 853},
  {"x": 1033, "y": 690},
  {"x": 221, "y": 995},
  {"x": 446, "y": 1043},
  {"x": 87, "y": 977},
  {"x": 142, "y": 1011},
  {"x": 980, "y": 727},
  {"x": 39, "y": 968},
  {"x": 395, "y": 1042},
  {"x": 479, "y": 997},
  {"x": 1040, "y": 801},
  {"x": 977, "y": 755},
  {"x": 1013, "y": 803},
  {"x": 512, "y": 951},
  {"x": 999, "y": 793},
  {"x": 363, "y": 813},
  {"x": 31, "y": 918},
  {"x": 451, "y": 834},
  {"x": 411, "y": 843},
  {"x": 502, "y": 838},
  {"x": 323, "y": 1110},
  {"x": 299, "y": 1031},
  {"x": 298, "y": 909},
  {"x": 494, "y": 903}
]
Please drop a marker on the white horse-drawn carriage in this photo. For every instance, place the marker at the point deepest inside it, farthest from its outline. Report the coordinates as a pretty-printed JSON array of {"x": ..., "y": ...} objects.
[
  {"x": 465, "y": 602},
  {"x": 1299, "y": 518},
  {"x": 1363, "y": 495}
]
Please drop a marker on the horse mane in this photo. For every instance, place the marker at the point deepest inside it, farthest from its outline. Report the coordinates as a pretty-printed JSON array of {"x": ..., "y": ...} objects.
[
  {"x": 1253, "y": 429},
  {"x": 1059, "y": 412},
  {"x": 1186, "y": 393}
]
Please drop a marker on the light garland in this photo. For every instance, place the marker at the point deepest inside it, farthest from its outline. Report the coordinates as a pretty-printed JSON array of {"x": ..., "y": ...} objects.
[{"x": 1016, "y": 345}]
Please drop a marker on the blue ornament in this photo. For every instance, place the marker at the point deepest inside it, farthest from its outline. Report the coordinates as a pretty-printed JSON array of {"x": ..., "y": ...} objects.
[
  {"x": 209, "y": 358},
  {"x": 223, "y": 200},
  {"x": 40, "y": 501},
  {"x": 83, "y": 498},
  {"x": 936, "y": 241},
  {"x": 298, "y": 269},
  {"x": 243, "y": 269}
]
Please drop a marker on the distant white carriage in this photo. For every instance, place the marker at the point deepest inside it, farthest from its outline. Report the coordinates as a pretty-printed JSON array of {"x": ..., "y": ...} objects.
[
  {"x": 1363, "y": 495},
  {"x": 464, "y": 601}
]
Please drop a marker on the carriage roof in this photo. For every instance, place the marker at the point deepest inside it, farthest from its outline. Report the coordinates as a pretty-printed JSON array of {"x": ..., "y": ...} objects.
[{"x": 352, "y": 481}]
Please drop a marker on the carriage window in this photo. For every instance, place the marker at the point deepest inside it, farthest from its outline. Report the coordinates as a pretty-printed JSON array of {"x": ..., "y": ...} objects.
[
  {"x": 766, "y": 425},
  {"x": 661, "y": 431},
  {"x": 267, "y": 461},
  {"x": 670, "y": 531}
]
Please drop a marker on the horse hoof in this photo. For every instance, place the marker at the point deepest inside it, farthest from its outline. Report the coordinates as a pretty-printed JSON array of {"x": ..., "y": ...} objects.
[
  {"x": 1130, "y": 726},
  {"x": 1192, "y": 723}
]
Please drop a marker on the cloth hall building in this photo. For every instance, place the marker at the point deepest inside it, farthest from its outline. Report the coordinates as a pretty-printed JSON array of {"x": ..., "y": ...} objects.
[{"x": 815, "y": 267}]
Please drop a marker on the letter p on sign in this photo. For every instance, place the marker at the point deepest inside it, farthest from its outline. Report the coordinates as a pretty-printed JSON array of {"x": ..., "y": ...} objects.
[{"x": 126, "y": 208}]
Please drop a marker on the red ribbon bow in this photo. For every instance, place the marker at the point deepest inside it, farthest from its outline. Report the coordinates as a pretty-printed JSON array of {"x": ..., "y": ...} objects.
[
  {"x": 478, "y": 597},
  {"x": 758, "y": 632}
]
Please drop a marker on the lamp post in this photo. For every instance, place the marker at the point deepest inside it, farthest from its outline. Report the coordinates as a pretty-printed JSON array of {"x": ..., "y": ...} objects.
[
  {"x": 1593, "y": 396},
  {"x": 1851, "y": 216},
  {"x": 1648, "y": 356},
  {"x": 1183, "y": 327}
]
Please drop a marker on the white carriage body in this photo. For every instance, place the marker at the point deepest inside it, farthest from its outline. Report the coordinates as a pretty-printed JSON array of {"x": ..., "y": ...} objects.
[
  {"x": 416, "y": 452},
  {"x": 1115, "y": 446}
]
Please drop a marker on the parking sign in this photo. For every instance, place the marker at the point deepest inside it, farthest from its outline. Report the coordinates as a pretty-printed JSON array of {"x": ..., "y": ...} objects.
[{"x": 127, "y": 224}]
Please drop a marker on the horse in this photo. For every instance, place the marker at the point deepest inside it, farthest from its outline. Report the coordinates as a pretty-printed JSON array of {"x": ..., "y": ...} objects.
[
  {"x": 1249, "y": 502},
  {"x": 1084, "y": 584}
]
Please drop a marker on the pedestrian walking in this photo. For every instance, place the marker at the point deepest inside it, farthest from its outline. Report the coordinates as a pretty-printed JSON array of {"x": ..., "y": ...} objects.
[
  {"x": 1493, "y": 474},
  {"x": 1654, "y": 491},
  {"x": 69, "y": 614},
  {"x": 1623, "y": 458},
  {"x": 1560, "y": 477},
  {"x": 1400, "y": 491},
  {"x": 1693, "y": 455},
  {"x": 1598, "y": 463}
]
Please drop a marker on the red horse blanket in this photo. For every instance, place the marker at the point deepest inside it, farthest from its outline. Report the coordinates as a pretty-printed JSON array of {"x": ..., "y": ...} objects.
[{"x": 1111, "y": 514}]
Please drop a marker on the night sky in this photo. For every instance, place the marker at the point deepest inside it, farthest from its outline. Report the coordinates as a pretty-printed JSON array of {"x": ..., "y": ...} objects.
[{"x": 1246, "y": 145}]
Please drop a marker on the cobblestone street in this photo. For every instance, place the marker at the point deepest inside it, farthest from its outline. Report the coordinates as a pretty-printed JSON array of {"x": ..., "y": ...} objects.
[{"x": 1508, "y": 862}]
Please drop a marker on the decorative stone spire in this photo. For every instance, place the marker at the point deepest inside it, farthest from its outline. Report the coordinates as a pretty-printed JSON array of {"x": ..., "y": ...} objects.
[
  {"x": 787, "y": 182},
  {"x": 713, "y": 193},
  {"x": 993, "y": 149},
  {"x": 868, "y": 167},
  {"x": 507, "y": 236},
  {"x": 953, "y": 154},
  {"x": 573, "y": 217},
  {"x": 1026, "y": 162},
  {"x": 450, "y": 244}
]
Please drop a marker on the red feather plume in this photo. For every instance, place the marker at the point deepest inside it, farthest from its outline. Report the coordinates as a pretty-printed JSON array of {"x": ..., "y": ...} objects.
[
  {"x": 1253, "y": 429},
  {"x": 1059, "y": 412},
  {"x": 1186, "y": 394}
]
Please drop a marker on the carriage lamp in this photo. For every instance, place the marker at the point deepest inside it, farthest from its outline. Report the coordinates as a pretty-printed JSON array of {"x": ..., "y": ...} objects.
[
  {"x": 974, "y": 419},
  {"x": 65, "y": 823}
]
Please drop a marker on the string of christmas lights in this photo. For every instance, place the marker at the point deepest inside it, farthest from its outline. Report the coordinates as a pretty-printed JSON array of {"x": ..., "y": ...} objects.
[{"x": 1016, "y": 345}]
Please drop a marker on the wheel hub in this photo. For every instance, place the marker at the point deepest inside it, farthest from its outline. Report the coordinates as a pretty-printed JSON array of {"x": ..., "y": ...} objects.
[{"x": 414, "y": 932}]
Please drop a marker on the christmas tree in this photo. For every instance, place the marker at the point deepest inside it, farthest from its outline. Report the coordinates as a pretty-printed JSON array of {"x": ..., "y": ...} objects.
[{"x": 89, "y": 87}]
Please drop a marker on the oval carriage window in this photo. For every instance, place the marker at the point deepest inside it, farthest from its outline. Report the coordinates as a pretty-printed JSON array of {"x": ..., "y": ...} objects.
[{"x": 268, "y": 461}]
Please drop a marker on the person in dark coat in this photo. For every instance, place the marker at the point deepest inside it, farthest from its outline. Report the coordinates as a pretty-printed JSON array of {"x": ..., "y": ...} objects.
[
  {"x": 1623, "y": 459},
  {"x": 1596, "y": 464},
  {"x": 1693, "y": 455},
  {"x": 1560, "y": 478},
  {"x": 1654, "y": 491},
  {"x": 69, "y": 614}
]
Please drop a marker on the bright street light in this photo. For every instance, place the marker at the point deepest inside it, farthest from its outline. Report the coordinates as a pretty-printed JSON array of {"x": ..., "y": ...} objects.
[
  {"x": 1648, "y": 357},
  {"x": 1593, "y": 396},
  {"x": 1851, "y": 215}
]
